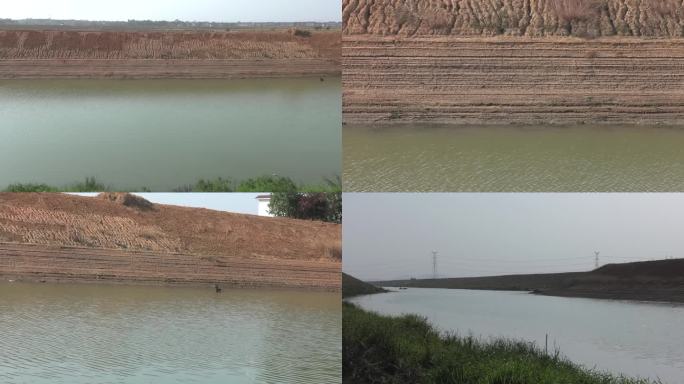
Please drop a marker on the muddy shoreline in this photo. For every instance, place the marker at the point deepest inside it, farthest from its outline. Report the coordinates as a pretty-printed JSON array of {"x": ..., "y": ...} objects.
[{"x": 166, "y": 69}]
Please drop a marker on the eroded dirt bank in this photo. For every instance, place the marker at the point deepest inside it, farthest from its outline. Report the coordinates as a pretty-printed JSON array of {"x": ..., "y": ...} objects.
[
  {"x": 119, "y": 237},
  {"x": 167, "y": 54},
  {"x": 661, "y": 280},
  {"x": 472, "y": 62}
]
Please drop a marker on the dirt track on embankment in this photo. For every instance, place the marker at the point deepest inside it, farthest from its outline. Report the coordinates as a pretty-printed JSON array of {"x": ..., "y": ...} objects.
[
  {"x": 481, "y": 62},
  {"x": 122, "y": 238},
  {"x": 35, "y": 54}
]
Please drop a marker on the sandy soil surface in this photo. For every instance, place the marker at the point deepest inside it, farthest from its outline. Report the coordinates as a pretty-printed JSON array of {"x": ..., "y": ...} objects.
[
  {"x": 661, "y": 280},
  {"x": 167, "y": 54},
  {"x": 512, "y": 80},
  {"x": 513, "y": 62},
  {"x": 120, "y": 237}
]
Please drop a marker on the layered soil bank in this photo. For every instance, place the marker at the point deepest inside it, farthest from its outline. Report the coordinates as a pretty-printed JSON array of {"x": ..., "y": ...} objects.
[
  {"x": 512, "y": 80},
  {"x": 470, "y": 62},
  {"x": 661, "y": 280},
  {"x": 167, "y": 54},
  {"x": 120, "y": 237}
]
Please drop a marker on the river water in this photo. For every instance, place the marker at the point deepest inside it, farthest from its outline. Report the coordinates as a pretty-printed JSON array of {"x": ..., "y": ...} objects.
[
  {"x": 162, "y": 134},
  {"x": 513, "y": 159},
  {"x": 86, "y": 333},
  {"x": 622, "y": 337}
]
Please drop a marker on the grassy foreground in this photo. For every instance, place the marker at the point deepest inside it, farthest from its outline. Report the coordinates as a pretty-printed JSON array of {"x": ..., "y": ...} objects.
[{"x": 383, "y": 349}]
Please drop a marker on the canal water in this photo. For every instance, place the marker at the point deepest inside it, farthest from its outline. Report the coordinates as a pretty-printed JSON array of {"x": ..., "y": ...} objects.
[
  {"x": 163, "y": 134},
  {"x": 513, "y": 159},
  {"x": 87, "y": 333},
  {"x": 622, "y": 337}
]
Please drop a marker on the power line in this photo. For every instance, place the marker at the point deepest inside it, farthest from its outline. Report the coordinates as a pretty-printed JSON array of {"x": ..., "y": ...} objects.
[{"x": 434, "y": 264}]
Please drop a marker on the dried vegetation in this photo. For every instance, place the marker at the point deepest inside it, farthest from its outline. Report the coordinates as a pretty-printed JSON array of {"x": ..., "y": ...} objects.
[
  {"x": 54, "y": 44},
  {"x": 127, "y": 222},
  {"x": 585, "y": 18}
]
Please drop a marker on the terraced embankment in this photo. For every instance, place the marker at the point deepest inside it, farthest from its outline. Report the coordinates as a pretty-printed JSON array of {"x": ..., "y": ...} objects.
[
  {"x": 503, "y": 80},
  {"x": 124, "y": 238},
  {"x": 168, "y": 54},
  {"x": 52, "y": 263},
  {"x": 513, "y": 61}
]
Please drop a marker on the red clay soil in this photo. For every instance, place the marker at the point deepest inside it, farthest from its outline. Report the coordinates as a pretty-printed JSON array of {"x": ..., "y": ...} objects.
[
  {"x": 661, "y": 280},
  {"x": 167, "y": 54},
  {"x": 481, "y": 62},
  {"x": 120, "y": 237}
]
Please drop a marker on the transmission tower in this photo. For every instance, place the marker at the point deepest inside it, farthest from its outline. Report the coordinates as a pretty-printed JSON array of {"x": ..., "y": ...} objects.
[
  {"x": 596, "y": 259},
  {"x": 434, "y": 264}
]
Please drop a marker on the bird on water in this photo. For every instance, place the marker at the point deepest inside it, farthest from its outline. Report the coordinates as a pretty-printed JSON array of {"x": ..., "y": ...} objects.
[{"x": 217, "y": 288}]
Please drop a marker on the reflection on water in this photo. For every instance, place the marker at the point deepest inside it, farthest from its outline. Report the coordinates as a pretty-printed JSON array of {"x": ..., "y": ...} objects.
[
  {"x": 162, "y": 134},
  {"x": 511, "y": 159},
  {"x": 120, "y": 334},
  {"x": 637, "y": 339}
]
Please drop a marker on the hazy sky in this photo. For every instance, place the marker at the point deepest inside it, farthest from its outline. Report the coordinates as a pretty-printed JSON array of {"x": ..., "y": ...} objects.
[
  {"x": 389, "y": 236},
  {"x": 187, "y": 10},
  {"x": 230, "y": 202}
]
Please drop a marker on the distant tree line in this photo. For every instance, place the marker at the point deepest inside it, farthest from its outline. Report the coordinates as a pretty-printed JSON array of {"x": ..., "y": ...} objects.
[{"x": 167, "y": 24}]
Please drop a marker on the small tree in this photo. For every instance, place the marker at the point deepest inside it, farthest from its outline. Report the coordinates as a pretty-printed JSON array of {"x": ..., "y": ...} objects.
[{"x": 323, "y": 206}]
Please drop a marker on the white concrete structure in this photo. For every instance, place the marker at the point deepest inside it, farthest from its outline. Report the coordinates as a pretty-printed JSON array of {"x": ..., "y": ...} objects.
[{"x": 264, "y": 201}]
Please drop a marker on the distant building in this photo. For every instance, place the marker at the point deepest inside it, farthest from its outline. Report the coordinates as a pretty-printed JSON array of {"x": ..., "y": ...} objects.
[{"x": 264, "y": 201}]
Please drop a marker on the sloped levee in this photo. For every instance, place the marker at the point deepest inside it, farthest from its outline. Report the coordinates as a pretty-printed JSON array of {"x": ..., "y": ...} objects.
[
  {"x": 120, "y": 237},
  {"x": 472, "y": 62},
  {"x": 512, "y": 80},
  {"x": 51, "y": 263},
  {"x": 38, "y": 53}
]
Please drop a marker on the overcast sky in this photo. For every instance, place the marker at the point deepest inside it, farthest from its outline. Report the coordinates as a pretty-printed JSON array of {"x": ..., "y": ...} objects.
[
  {"x": 187, "y": 10},
  {"x": 229, "y": 202},
  {"x": 388, "y": 236}
]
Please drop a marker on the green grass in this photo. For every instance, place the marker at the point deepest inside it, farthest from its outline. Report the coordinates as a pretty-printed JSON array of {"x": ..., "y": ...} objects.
[
  {"x": 393, "y": 350},
  {"x": 219, "y": 184}
]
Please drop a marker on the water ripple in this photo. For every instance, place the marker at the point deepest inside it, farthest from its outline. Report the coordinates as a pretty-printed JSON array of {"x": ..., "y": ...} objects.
[{"x": 113, "y": 334}]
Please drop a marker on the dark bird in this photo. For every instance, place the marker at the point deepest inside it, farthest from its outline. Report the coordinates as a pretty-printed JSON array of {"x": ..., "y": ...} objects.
[
  {"x": 217, "y": 288},
  {"x": 322, "y": 79}
]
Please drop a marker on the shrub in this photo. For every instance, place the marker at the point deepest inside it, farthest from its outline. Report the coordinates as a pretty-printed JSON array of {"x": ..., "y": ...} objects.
[
  {"x": 30, "y": 188},
  {"x": 301, "y": 33},
  {"x": 216, "y": 185},
  {"x": 308, "y": 206},
  {"x": 89, "y": 185},
  {"x": 267, "y": 184}
]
